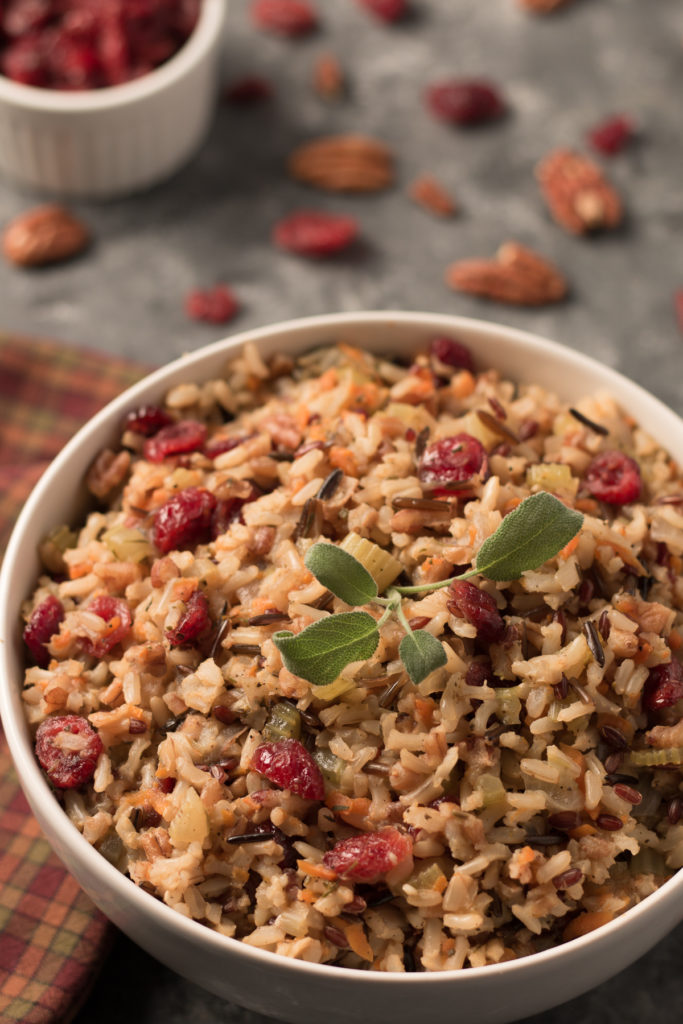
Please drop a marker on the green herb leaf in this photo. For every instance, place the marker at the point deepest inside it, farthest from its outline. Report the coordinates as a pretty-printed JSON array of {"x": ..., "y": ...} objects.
[
  {"x": 421, "y": 653},
  {"x": 341, "y": 573},
  {"x": 320, "y": 652},
  {"x": 531, "y": 534}
]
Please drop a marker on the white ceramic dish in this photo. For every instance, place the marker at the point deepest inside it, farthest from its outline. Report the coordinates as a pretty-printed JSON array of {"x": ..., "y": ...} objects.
[
  {"x": 101, "y": 143},
  {"x": 288, "y": 989}
]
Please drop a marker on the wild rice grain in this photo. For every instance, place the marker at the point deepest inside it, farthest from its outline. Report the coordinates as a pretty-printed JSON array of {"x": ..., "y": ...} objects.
[
  {"x": 609, "y": 822},
  {"x": 568, "y": 878},
  {"x": 593, "y": 640},
  {"x": 627, "y": 793},
  {"x": 329, "y": 486},
  {"x": 496, "y": 427},
  {"x": 674, "y": 810},
  {"x": 597, "y": 427}
]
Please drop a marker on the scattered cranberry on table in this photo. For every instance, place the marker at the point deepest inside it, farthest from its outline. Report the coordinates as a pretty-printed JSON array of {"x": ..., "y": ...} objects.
[
  {"x": 315, "y": 233},
  {"x": 464, "y": 101},
  {"x": 386, "y": 10},
  {"x": 87, "y": 45},
  {"x": 611, "y": 136},
  {"x": 284, "y": 17},
  {"x": 215, "y": 305}
]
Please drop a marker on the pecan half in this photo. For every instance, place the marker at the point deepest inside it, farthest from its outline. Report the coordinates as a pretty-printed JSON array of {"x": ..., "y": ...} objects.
[
  {"x": 45, "y": 234},
  {"x": 343, "y": 163},
  {"x": 430, "y": 194},
  {"x": 578, "y": 195},
  {"x": 517, "y": 275}
]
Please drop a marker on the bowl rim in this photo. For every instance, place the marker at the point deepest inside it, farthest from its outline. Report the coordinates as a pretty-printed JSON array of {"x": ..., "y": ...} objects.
[
  {"x": 121, "y": 887},
  {"x": 79, "y": 101}
]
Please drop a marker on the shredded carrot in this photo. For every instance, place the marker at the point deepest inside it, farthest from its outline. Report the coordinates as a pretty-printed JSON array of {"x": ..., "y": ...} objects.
[
  {"x": 328, "y": 380},
  {"x": 472, "y": 533},
  {"x": 307, "y": 867},
  {"x": 366, "y": 396},
  {"x": 343, "y": 458},
  {"x": 356, "y": 937},
  {"x": 675, "y": 640},
  {"x": 643, "y": 653},
  {"x": 440, "y": 884},
  {"x": 350, "y": 351},
  {"x": 569, "y": 548},
  {"x": 526, "y": 856},
  {"x": 352, "y": 810},
  {"x": 510, "y": 504},
  {"x": 306, "y": 896},
  {"x": 462, "y": 384},
  {"x": 447, "y": 946},
  {"x": 303, "y": 415},
  {"x": 586, "y": 922},
  {"x": 61, "y": 641},
  {"x": 79, "y": 569},
  {"x": 424, "y": 710},
  {"x": 581, "y": 831},
  {"x": 586, "y": 505}
]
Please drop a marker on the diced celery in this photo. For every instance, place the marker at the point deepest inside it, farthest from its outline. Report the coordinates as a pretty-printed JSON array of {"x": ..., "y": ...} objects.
[
  {"x": 381, "y": 564},
  {"x": 510, "y": 704},
  {"x": 128, "y": 544},
  {"x": 330, "y": 765},
  {"x": 335, "y": 689},
  {"x": 555, "y": 477},
  {"x": 52, "y": 548},
  {"x": 651, "y": 757},
  {"x": 492, "y": 789},
  {"x": 284, "y": 722}
]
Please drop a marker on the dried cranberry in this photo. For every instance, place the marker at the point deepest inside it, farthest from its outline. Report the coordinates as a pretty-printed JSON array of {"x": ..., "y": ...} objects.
[
  {"x": 24, "y": 16},
  {"x": 117, "y": 614},
  {"x": 285, "y": 17},
  {"x": 147, "y": 420},
  {"x": 612, "y": 135},
  {"x": 215, "y": 305},
  {"x": 370, "y": 856},
  {"x": 24, "y": 62},
  {"x": 451, "y": 353},
  {"x": 248, "y": 90},
  {"x": 453, "y": 460},
  {"x": 469, "y": 602},
  {"x": 219, "y": 445},
  {"x": 386, "y": 10},
  {"x": 41, "y": 627},
  {"x": 288, "y": 764},
  {"x": 465, "y": 102},
  {"x": 479, "y": 673},
  {"x": 65, "y": 767},
  {"x": 314, "y": 233},
  {"x": 195, "y": 621},
  {"x": 184, "y": 520},
  {"x": 664, "y": 686},
  {"x": 175, "y": 439},
  {"x": 613, "y": 477}
]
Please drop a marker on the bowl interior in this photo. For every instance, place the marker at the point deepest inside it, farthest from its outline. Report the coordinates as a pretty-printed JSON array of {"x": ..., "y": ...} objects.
[{"x": 57, "y": 498}]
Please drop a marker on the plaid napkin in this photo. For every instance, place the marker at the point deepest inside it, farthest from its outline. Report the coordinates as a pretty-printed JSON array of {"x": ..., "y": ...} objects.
[{"x": 52, "y": 938}]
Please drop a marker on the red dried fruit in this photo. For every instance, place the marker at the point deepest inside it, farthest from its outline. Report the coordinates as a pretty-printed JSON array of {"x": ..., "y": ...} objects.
[
  {"x": 315, "y": 233},
  {"x": 453, "y": 460},
  {"x": 452, "y": 353},
  {"x": 613, "y": 477},
  {"x": 370, "y": 856},
  {"x": 184, "y": 520},
  {"x": 386, "y": 10},
  {"x": 465, "y": 102},
  {"x": 663, "y": 687},
  {"x": 611, "y": 135},
  {"x": 68, "y": 763},
  {"x": 117, "y": 614},
  {"x": 195, "y": 621},
  {"x": 215, "y": 305},
  {"x": 469, "y": 602},
  {"x": 87, "y": 45},
  {"x": 229, "y": 511},
  {"x": 147, "y": 420},
  {"x": 285, "y": 17},
  {"x": 248, "y": 90},
  {"x": 176, "y": 439},
  {"x": 479, "y": 672},
  {"x": 288, "y": 764},
  {"x": 41, "y": 627},
  {"x": 218, "y": 445}
]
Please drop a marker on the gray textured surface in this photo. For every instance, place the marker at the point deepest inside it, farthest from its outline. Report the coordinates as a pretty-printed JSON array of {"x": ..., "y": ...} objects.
[{"x": 212, "y": 222}]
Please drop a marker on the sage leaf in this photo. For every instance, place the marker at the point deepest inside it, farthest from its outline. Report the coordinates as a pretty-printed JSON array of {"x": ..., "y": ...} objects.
[
  {"x": 341, "y": 573},
  {"x": 421, "y": 653},
  {"x": 320, "y": 651},
  {"x": 530, "y": 535}
]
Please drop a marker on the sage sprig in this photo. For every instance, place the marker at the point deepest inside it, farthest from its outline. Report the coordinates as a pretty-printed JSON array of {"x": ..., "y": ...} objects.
[{"x": 528, "y": 537}]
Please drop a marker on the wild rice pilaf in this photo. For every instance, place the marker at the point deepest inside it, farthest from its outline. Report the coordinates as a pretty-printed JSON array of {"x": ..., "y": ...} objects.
[{"x": 521, "y": 795}]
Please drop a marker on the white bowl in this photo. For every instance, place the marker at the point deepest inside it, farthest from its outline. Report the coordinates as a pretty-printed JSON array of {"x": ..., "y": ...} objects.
[
  {"x": 101, "y": 143},
  {"x": 290, "y": 989}
]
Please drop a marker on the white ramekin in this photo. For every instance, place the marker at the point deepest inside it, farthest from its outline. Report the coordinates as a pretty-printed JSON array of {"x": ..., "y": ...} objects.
[
  {"x": 102, "y": 143},
  {"x": 293, "y": 990}
]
